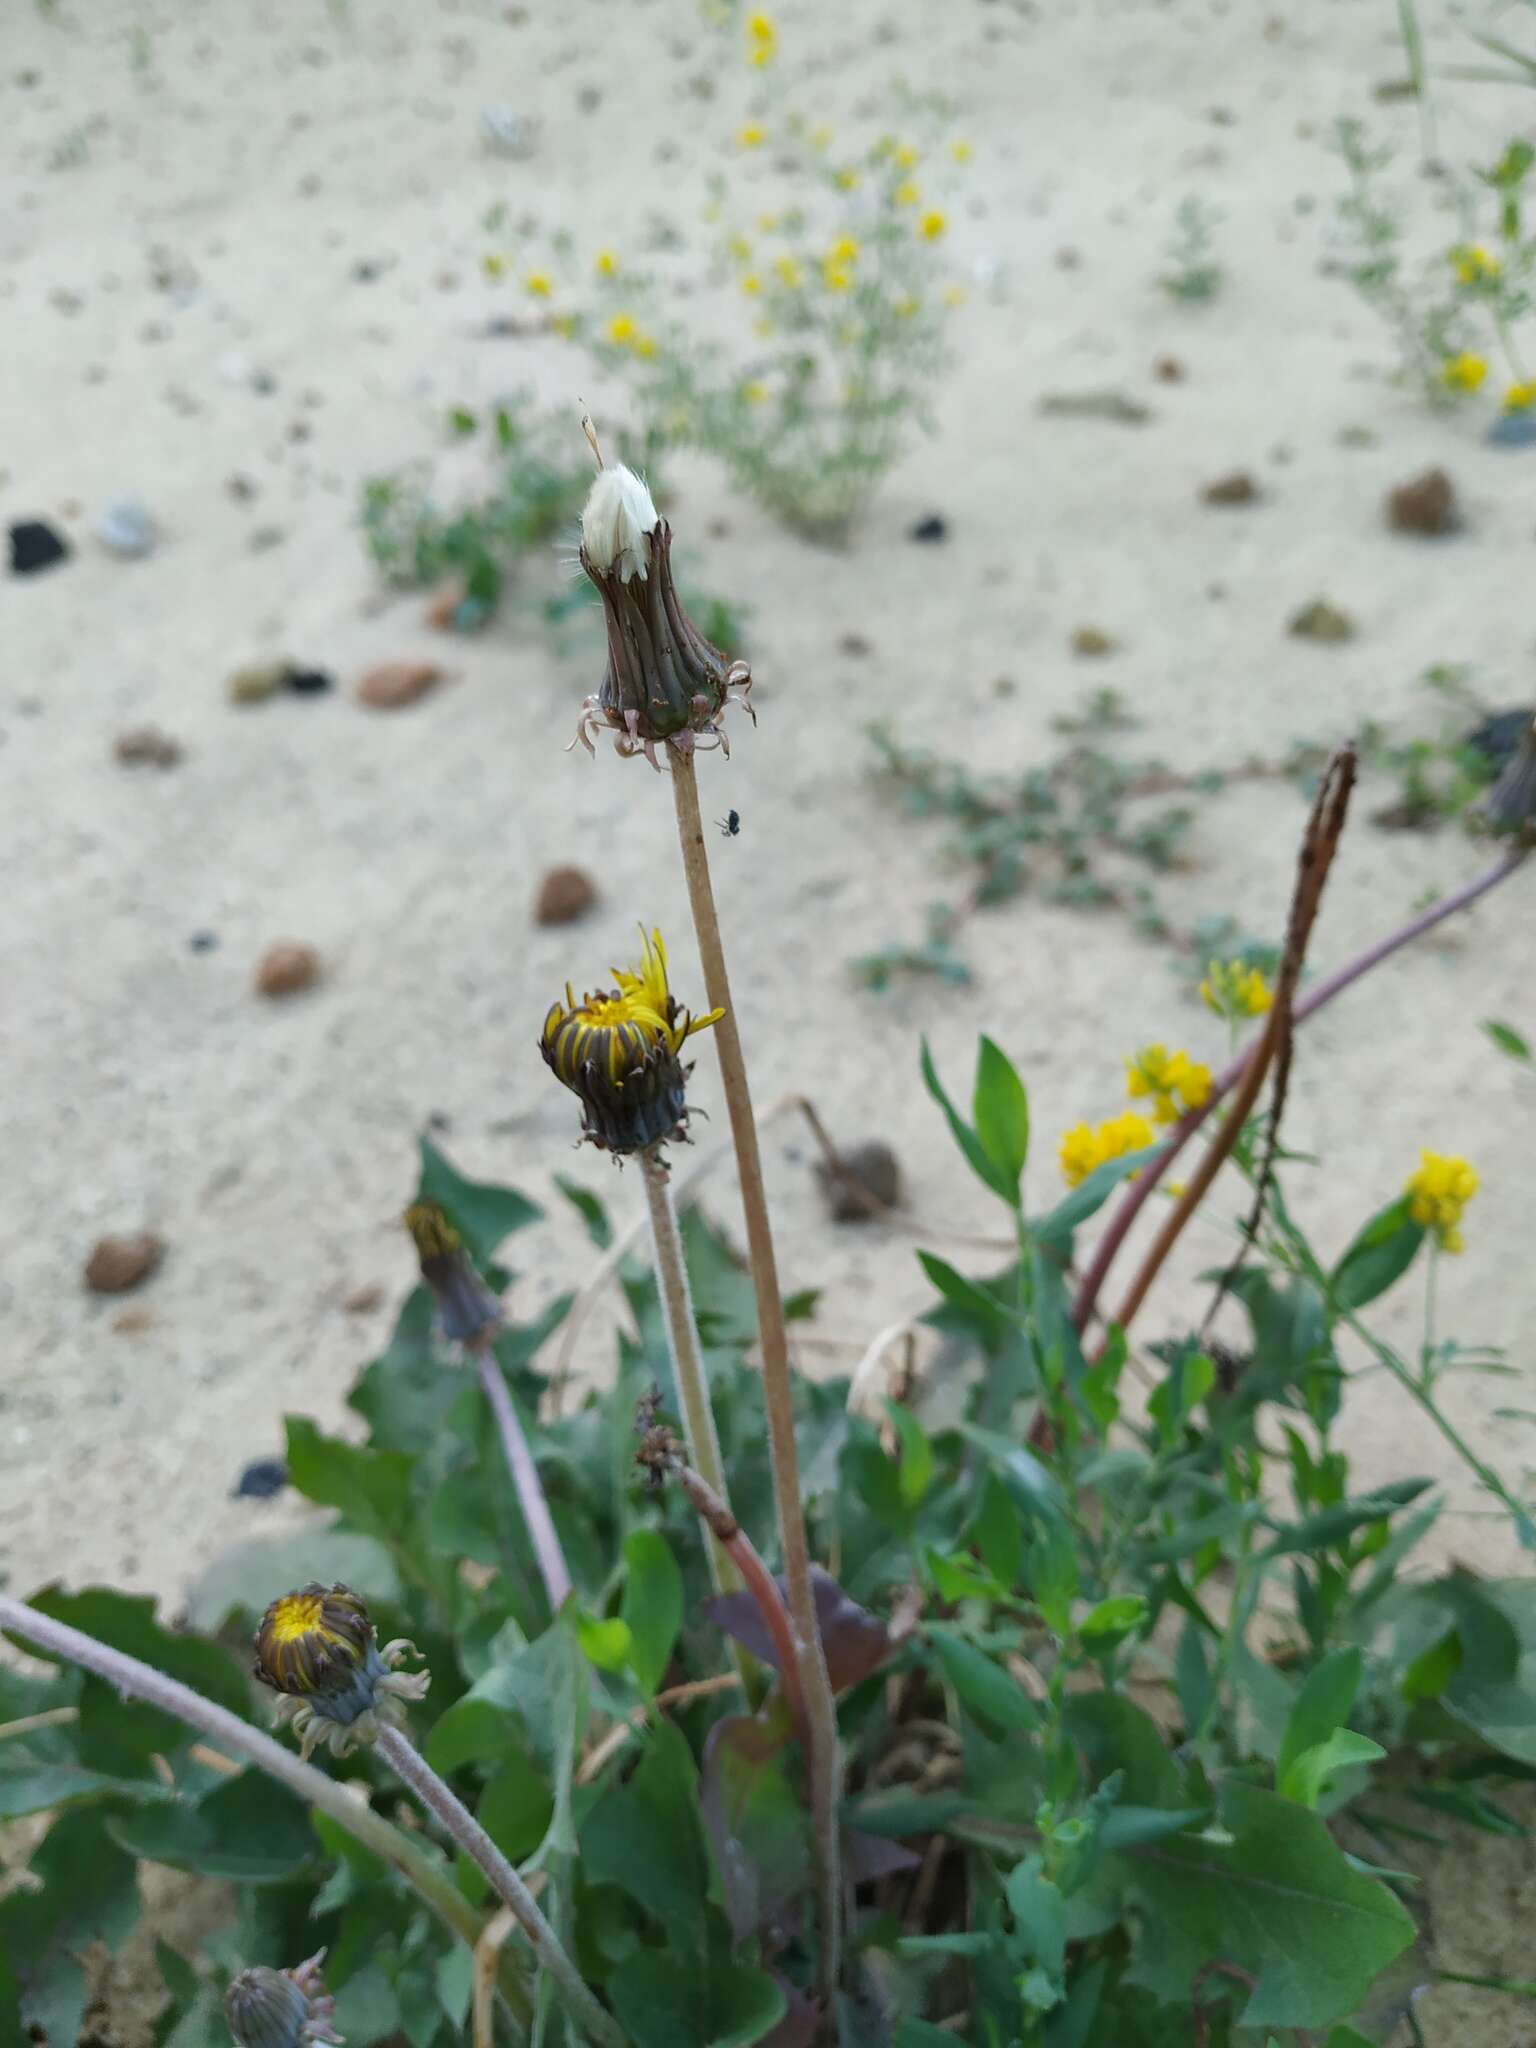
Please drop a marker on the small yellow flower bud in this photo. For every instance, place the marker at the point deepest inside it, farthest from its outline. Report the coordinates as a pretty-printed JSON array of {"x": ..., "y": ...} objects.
[{"x": 317, "y": 1648}]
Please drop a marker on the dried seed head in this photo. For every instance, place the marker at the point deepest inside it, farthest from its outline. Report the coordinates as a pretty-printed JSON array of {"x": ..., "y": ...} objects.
[
  {"x": 1510, "y": 806},
  {"x": 317, "y": 1647},
  {"x": 618, "y": 1050},
  {"x": 466, "y": 1307},
  {"x": 281, "y": 2008},
  {"x": 664, "y": 682},
  {"x": 616, "y": 523}
]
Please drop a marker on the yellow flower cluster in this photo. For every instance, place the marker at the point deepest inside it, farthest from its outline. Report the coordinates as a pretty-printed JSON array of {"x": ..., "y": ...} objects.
[
  {"x": 1464, "y": 372},
  {"x": 606, "y": 263},
  {"x": 1233, "y": 990},
  {"x": 625, "y": 331},
  {"x": 539, "y": 284},
  {"x": 1083, "y": 1148},
  {"x": 762, "y": 39},
  {"x": 1474, "y": 265},
  {"x": 1521, "y": 397},
  {"x": 1437, "y": 1194},
  {"x": 751, "y": 135},
  {"x": 1173, "y": 1080}
]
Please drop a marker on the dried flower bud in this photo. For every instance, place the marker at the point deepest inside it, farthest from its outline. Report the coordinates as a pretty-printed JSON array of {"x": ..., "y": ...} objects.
[
  {"x": 281, "y": 2008},
  {"x": 466, "y": 1307},
  {"x": 664, "y": 681},
  {"x": 1510, "y": 806},
  {"x": 618, "y": 1051},
  {"x": 318, "y": 1648}
]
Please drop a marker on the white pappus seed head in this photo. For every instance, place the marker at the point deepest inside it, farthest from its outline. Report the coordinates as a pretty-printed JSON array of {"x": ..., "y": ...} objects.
[{"x": 616, "y": 518}]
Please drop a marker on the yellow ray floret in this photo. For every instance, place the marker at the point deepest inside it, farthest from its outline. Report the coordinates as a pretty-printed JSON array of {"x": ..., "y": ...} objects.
[{"x": 1437, "y": 1194}]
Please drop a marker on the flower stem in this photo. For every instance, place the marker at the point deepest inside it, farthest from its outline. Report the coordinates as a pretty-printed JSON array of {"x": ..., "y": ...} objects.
[
  {"x": 778, "y": 1400},
  {"x": 525, "y": 1478},
  {"x": 687, "y": 1361},
  {"x": 594, "y": 2020},
  {"x": 1145, "y": 1183},
  {"x": 135, "y": 1680}
]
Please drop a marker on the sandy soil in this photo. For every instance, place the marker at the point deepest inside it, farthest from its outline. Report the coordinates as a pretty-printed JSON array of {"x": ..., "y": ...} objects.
[{"x": 186, "y": 196}]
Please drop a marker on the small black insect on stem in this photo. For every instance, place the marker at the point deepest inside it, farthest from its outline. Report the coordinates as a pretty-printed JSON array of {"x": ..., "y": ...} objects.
[{"x": 730, "y": 824}]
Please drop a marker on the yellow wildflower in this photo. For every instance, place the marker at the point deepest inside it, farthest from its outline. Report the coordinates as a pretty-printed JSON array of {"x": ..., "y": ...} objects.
[
  {"x": 836, "y": 277},
  {"x": 767, "y": 222},
  {"x": 539, "y": 283},
  {"x": 493, "y": 265},
  {"x": 740, "y": 248},
  {"x": 564, "y": 325},
  {"x": 906, "y": 193},
  {"x": 789, "y": 272},
  {"x": 906, "y": 306},
  {"x": 844, "y": 250},
  {"x": 751, "y": 135},
  {"x": 1464, "y": 372},
  {"x": 1520, "y": 397},
  {"x": 907, "y": 156},
  {"x": 1233, "y": 990},
  {"x": 762, "y": 39},
  {"x": 961, "y": 152},
  {"x": 1084, "y": 1149},
  {"x": 751, "y": 284},
  {"x": 954, "y": 295},
  {"x": 847, "y": 178},
  {"x": 622, "y": 329},
  {"x": 932, "y": 225},
  {"x": 1173, "y": 1080},
  {"x": 1437, "y": 1194},
  {"x": 1474, "y": 265},
  {"x": 885, "y": 147},
  {"x": 644, "y": 346},
  {"x": 821, "y": 136},
  {"x": 755, "y": 392},
  {"x": 606, "y": 263}
]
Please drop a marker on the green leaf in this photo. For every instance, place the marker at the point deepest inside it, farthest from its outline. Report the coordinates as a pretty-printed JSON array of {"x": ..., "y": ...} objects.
[
  {"x": 516, "y": 1808},
  {"x": 1307, "y": 1777},
  {"x": 662, "y": 2001},
  {"x": 1116, "y": 1616},
  {"x": 1000, "y": 1106},
  {"x": 1056, "y": 1226},
  {"x": 994, "y": 1319},
  {"x": 976, "y": 1155},
  {"x": 1273, "y": 1894},
  {"x": 757, "y": 1824},
  {"x": 1322, "y": 1705},
  {"x": 1382, "y": 1251},
  {"x": 606, "y": 1644},
  {"x": 589, "y": 1208},
  {"x": 645, "y": 1836},
  {"x": 1507, "y": 1039},
  {"x": 484, "y": 1215},
  {"x": 1040, "y": 1915},
  {"x": 998, "y": 1533},
  {"x": 241, "y": 1580},
  {"x": 916, "y": 1467},
  {"x": 31, "y": 1784},
  {"x": 85, "y": 1891},
  {"x": 241, "y": 1831},
  {"x": 984, "y": 1687},
  {"x": 371, "y": 1488},
  {"x": 652, "y": 1604}
]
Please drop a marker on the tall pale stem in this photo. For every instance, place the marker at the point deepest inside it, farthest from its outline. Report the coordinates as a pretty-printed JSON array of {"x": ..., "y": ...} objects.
[
  {"x": 821, "y": 1712},
  {"x": 525, "y": 1480}
]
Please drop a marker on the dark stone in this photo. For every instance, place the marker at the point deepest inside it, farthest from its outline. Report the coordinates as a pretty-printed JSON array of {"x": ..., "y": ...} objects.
[
  {"x": 931, "y": 528},
  {"x": 1425, "y": 504},
  {"x": 564, "y": 895},
  {"x": 1500, "y": 734},
  {"x": 261, "y": 1479},
  {"x": 203, "y": 942},
  {"x": 34, "y": 546},
  {"x": 1237, "y": 488},
  {"x": 865, "y": 1182},
  {"x": 310, "y": 682}
]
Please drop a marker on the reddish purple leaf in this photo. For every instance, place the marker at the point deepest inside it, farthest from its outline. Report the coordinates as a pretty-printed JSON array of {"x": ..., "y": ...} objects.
[{"x": 856, "y": 1642}]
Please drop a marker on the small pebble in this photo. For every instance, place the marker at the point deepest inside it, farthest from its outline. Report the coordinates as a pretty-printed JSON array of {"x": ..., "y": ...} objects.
[
  {"x": 564, "y": 895},
  {"x": 310, "y": 682},
  {"x": 287, "y": 968},
  {"x": 35, "y": 546},
  {"x": 855, "y": 643},
  {"x": 118, "y": 1264},
  {"x": 362, "y": 1301},
  {"x": 259, "y": 680},
  {"x": 1236, "y": 488},
  {"x": 1091, "y": 642},
  {"x": 1424, "y": 505},
  {"x": 241, "y": 488},
  {"x": 1322, "y": 621},
  {"x": 442, "y": 608},
  {"x": 260, "y": 1480},
  {"x": 126, "y": 527},
  {"x": 1513, "y": 430},
  {"x": 203, "y": 942},
  {"x": 393, "y": 685},
  {"x": 866, "y": 1181},
  {"x": 931, "y": 528},
  {"x": 133, "y": 1322},
  {"x": 146, "y": 746},
  {"x": 1168, "y": 370},
  {"x": 507, "y": 131}
]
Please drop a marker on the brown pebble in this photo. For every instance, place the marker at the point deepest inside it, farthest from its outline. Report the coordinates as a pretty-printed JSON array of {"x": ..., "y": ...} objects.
[
  {"x": 286, "y": 968},
  {"x": 120, "y": 1263},
  {"x": 1092, "y": 641},
  {"x": 564, "y": 895},
  {"x": 865, "y": 1182},
  {"x": 855, "y": 643},
  {"x": 1168, "y": 370},
  {"x": 133, "y": 1322},
  {"x": 443, "y": 604},
  {"x": 1236, "y": 488},
  {"x": 146, "y": 745},
  {"x": 1322, "y": 621},
  {"x": 362, "y": 1301},
  {"x": 392, "y": 685},
  {"x": 1425, "y": 504}
]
